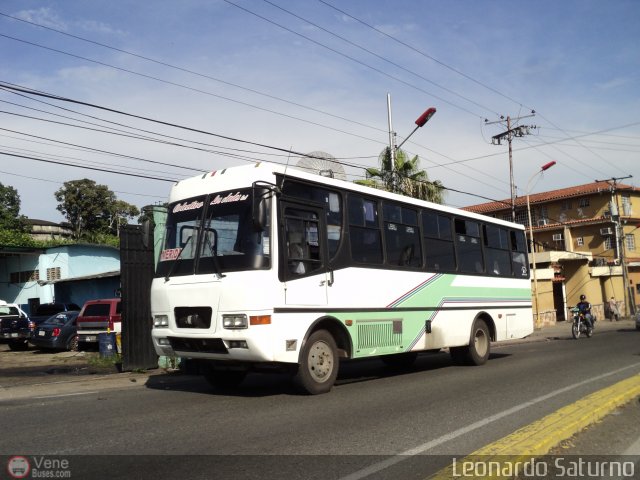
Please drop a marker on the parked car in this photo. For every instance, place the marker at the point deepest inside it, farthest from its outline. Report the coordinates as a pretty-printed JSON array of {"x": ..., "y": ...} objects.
[
  {"x": 44, "y": 311},
  {"x": 15, "y": 326},
  {"x": 58, "y": 332},
  {"x": 96, "y": 317}
]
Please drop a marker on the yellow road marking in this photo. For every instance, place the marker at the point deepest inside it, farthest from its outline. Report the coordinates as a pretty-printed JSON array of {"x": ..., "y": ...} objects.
[{"x": 537, "y": 438}]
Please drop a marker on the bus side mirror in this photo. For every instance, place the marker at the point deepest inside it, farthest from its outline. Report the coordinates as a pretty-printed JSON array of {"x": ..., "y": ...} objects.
[
  {"x": 146, "y": 232},
  {"x": 259, "y": 208}
]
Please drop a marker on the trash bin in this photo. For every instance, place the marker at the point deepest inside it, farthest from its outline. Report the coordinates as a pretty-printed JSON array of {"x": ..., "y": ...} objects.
[{"x": 107, "y": 344}]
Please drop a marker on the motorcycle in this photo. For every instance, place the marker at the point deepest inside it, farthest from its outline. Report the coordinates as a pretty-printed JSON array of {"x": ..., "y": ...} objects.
[{"x": 580, "y": 324}]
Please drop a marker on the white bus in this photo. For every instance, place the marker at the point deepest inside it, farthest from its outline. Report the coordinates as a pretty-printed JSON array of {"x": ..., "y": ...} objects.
[{"x": 268, "y": 266}]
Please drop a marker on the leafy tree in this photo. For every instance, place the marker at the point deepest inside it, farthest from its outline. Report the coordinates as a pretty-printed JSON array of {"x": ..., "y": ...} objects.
[
  {"x": 91, "y": 209},
  {"x": 10, "y": 218},
  {"x": 405, "y": 177}
]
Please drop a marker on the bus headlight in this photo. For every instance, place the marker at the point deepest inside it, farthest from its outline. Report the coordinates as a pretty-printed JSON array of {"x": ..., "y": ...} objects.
[
  {"x": 160, "y": 321},
  {"x": 234, "y": 322}
]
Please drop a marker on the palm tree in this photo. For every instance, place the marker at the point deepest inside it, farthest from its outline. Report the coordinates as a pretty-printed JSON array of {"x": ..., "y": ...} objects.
[{"x": 405, "y": 178}]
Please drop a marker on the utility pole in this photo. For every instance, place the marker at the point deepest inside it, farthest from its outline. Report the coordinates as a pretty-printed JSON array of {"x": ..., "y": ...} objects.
[
  {"x": 392, "y": 145},
  {"x": 510, "y": 134},
  {"x": 619, "y": 229}
]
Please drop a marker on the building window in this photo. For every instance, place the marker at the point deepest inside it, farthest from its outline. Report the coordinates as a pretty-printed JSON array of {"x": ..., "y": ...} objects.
[
  {"x": 53, "y": 273},
  {"x": 630, "y": 242},
  {"x": 626, "y": 204},
  {"x": 24, "y": 277},
  {"x": 608, "y": 244},
  {"x": 522, "y": 217},
  {"x": 565, "y": 205},
  {"x": 583, "y": 202},
  {"x": 580, "y": 241}
]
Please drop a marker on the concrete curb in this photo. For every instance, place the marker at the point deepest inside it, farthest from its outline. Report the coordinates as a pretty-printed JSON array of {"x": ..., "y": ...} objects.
[{"x": 539, "y": 437}]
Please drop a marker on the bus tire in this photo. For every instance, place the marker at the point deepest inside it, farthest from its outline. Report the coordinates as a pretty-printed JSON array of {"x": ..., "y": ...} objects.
[
  {"x": 319, "y": 363},
  {"x": 479, "y": 348}
]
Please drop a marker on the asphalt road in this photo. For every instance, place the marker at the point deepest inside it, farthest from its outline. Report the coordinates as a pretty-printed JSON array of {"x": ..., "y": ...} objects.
[{"x": 376, "y": 423}]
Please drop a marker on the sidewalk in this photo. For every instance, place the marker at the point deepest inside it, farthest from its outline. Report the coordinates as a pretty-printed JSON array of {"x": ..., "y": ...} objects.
[{"x": 563, "y": 330}]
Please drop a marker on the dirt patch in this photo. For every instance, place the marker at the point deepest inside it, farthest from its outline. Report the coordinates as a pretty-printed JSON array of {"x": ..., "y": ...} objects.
[{"x": 40, "y": 366}]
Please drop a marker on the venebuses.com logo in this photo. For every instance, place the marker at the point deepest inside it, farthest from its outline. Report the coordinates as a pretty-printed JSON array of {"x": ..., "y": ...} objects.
[{"x": 20, "y": 466}]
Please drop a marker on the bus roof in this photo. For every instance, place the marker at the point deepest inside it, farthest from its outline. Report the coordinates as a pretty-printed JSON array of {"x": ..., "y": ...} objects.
[{"x": 243, "y": 176}]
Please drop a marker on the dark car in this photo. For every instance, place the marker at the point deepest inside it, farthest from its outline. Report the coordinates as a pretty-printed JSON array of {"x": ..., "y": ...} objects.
[
  {"x": 44, "y": 311},
  {"x": 58, "y": 332}
]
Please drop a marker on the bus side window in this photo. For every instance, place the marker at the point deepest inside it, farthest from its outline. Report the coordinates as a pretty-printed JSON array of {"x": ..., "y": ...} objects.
[
  {"x": 469, "y": 246},
  {"x": 401, "y": 236},
  {"x": 496, "y": 242},
  {"x": 302, "y": 250},
  {"x": 297, "y": 251},
  {"x": 439, "y": 251},
  {"x": 364, "y": 231},
  {"x": 518, "y": 255}
]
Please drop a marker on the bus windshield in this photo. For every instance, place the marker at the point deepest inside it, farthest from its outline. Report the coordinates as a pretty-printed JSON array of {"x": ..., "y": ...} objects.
[{"x": 213, "y": 234}]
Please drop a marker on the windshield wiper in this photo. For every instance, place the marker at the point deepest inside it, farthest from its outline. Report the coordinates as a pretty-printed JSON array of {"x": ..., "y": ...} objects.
[
  {"x": 213, "y": 248},
  {"x": 177, "y": 260}
]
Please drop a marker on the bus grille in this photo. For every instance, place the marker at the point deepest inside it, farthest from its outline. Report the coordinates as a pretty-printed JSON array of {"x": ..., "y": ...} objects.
[
  {"x": 383, "y": 334},
  {"x": 193, "y": 317},
  {"x": 200, "y": 345}
]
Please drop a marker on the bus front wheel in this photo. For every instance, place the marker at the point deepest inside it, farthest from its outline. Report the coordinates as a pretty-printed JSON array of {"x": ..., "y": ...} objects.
[
  {"x": 318, "y": 366},
  {"x": 477, "y": 352}
]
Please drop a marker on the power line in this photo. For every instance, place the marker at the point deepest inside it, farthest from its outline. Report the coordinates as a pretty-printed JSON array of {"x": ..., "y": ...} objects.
[
  {"x": 62, "y": 183},
  {"x": 391, "y": 62},
  {"x": 424, "y": 54},
  {"x": 26, "y": 157},
  {"x": 193, "y": 89},
  {"x": 193, "y": 72},
  {"x": 212, "y": 78},
  {"x": 337, "y": 52}
]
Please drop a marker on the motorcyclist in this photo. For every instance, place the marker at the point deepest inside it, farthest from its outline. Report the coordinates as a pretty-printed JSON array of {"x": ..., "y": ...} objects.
[{"x": 584, "y": 308}]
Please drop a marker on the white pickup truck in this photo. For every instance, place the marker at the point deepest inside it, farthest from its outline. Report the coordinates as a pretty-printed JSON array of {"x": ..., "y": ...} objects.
[{"x": 15, "y": 326}]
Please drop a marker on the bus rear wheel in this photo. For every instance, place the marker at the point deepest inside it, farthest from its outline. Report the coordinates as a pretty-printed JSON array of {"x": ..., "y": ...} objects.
[
  {"x": 479, "y": 348},
  {"x": 318, "y": 366}
]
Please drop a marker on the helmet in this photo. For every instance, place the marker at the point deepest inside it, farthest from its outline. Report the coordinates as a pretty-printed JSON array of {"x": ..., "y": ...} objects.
[{"x": 582, "y": 297}]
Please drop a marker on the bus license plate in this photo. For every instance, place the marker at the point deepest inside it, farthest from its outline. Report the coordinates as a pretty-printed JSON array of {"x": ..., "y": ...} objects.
[{"x": 88, "y": 338}]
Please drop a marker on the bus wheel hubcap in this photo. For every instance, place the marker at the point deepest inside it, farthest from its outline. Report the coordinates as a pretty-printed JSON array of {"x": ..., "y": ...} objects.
[
  {"x": 481, "y": 342},
  {"x": 320, "y": 361}
]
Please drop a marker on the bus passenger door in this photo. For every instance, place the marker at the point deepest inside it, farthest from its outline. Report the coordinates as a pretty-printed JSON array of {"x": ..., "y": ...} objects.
[{"x": 303, "y": 242}]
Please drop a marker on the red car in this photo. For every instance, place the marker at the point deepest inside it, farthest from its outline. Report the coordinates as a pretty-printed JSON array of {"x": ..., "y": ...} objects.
[{"x": 96, "y": 317}]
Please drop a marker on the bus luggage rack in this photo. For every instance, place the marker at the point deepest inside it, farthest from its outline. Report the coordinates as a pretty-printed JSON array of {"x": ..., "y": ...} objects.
[{"x": 200, "y": 345}]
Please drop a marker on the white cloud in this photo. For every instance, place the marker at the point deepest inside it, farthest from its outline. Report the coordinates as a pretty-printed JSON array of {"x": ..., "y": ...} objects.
[
  {"x": 43, "y": 16},
  {"x": 93, "y": 26}
]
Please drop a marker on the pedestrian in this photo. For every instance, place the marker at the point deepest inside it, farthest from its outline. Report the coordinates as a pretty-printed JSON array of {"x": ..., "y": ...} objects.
[{"x": 613, "y": 310}]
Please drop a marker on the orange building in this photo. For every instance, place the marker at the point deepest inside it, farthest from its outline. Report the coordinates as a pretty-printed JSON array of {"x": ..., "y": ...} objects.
[{"x": 585, "y": 243}]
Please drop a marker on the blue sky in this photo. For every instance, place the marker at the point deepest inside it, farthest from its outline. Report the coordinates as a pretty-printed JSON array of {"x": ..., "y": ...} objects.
[{"x": 314, "y": 76}]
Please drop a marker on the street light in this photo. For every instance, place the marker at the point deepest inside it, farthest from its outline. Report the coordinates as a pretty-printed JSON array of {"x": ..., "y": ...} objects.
[
  {"x": 422, "y": 119},
  {"x": 546, "y": 166},
  {"x": 393, "y": 149}
]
